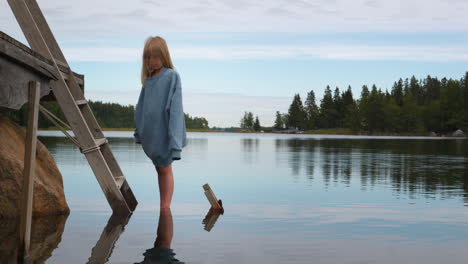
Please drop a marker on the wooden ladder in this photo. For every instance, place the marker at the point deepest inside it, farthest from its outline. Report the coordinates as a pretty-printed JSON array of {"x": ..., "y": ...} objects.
[{"x": 75, "y": 107}]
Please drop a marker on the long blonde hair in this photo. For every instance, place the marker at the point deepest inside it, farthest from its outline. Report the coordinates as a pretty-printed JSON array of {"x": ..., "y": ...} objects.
[{"x": 156, "y": 46}]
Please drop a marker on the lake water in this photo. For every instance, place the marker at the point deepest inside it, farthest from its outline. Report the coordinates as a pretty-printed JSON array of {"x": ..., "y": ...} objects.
[{"x": 287, "y": 199}]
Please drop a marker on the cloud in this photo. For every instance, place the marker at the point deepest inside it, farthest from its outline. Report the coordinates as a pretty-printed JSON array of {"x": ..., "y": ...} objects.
[
  {"x": 303, "y": 52},
  {"x": 84, "y": 18}
]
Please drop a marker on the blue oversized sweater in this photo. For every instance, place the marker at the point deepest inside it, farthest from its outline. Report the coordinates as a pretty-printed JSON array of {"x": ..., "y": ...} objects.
[{"x": 159, "y": 118}]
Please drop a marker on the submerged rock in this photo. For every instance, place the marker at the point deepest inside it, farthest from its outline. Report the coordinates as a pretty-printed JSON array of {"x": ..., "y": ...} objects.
[
  {"x": 49, "y": 197},
  {"x": 458, "y": 133}
]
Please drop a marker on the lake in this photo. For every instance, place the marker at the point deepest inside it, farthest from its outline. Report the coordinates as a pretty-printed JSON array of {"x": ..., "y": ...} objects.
[{"x": 287, "y": 199}]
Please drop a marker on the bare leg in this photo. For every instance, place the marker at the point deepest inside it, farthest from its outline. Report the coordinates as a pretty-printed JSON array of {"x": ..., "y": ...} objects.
[{"x": 166, "y": 185}]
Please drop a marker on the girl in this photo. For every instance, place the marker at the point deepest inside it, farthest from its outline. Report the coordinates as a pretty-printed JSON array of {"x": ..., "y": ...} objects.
[{"x": 159, "y": 115}]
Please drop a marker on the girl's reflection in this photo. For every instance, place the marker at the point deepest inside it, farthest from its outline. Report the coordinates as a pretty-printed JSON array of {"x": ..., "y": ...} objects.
[{"x": 162, "y": 252}]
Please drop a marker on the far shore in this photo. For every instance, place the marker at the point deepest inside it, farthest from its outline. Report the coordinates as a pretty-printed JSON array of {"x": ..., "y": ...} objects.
[{"x": 338, "y": 131}]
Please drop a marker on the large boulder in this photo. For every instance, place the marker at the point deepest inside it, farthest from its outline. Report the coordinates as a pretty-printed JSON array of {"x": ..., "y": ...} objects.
[{"x": 49, "y": 198}]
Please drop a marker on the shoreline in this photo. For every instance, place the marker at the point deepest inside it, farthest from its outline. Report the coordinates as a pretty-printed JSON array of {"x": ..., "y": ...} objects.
[{"x": 331, "y": 132}]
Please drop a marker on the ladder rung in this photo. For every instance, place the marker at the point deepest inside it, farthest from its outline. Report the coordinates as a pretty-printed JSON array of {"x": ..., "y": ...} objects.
[
  {"x": 81, "y": 102},
  {"x": 101, "y": 141},
  {"x": 119, "y": 180}
]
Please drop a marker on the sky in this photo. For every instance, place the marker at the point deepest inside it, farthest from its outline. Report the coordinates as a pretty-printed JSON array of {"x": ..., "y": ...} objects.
[{"x": 237, "y": 56}]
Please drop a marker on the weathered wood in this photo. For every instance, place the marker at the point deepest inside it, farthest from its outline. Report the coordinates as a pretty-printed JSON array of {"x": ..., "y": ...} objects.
[
  {"x": 64, "y": 93},
  {"x": 28, "y": 26},
  {"x": 211, "y": 197},
  {"x": 81, "y": 102},
  {"x": 19, "y": 65},
  {"x": 46, "y": 33},
  {"x": 18, "y": 51},
  {"x": 86, "y": 111},
  {"x": 81, "y": 119},
  {"x": 14, "y": 83},
  {"x": 28, "y": 171}
]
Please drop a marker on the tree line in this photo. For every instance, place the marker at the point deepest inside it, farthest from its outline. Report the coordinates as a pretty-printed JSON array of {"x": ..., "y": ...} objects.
[
  {"x": 412, "y": 105},
  {"x": 108, "y": 115},
  {"x": 248, "y": 122}
]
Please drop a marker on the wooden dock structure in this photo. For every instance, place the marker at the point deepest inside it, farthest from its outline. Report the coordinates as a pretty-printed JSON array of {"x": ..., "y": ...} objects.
[{"x": 28, "y": 75}]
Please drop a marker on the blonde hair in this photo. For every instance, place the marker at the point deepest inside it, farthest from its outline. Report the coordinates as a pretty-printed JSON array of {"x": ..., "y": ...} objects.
[{"x": 155, "y": 46}]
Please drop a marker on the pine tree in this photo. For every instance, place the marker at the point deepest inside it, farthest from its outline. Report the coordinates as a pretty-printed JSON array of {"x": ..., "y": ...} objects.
[
  {"x": 242, "y": 122},
  {"x": 352, "y": 117},
  {"x": 365, "y": 91},
  {"x": 311, "y": 111},
  {"x": 347, "y": 97},
  {"x": 465, "y": 103},
  {"x": 296, "y": 113},
  {"x": 256, "y": 125},
  {"x": 339, "y": 112},
  {"x": 278, "y": 121},
  {"x": 397, "y": 92},
  {"x": 285, "y": 118},
  {"x": 327, "y": 109},
  {"x": 249, "y": 121},
  {"x": 415, "y": 90}
]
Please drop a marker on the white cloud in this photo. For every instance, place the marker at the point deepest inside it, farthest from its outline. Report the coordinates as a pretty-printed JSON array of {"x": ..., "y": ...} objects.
[
  {"x": 240, "y": 52},
  {"x": 86, "y": 18},
  {"x": 102, "y": 54},
  {"x": 88, "y": 23}
]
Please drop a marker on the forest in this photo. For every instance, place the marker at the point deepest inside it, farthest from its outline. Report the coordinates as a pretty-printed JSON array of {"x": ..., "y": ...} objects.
[
  {"x": 412, "y": 106},
  {"x": 108, "y": 115}
]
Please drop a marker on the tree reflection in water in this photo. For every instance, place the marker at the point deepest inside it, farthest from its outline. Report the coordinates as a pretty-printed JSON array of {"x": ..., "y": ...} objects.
[{"x": 410, "y": 166}]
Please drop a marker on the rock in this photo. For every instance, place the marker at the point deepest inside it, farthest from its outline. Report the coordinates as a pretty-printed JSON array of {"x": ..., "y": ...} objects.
[
  {"x": 46, "y": 234},
  {"x": 49, "y": 197},
  {"x": 458, "y": 133}
]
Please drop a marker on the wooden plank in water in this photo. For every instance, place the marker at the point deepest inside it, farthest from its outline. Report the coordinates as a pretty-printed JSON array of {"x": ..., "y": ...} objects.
[{"x": 211, "y": 196}]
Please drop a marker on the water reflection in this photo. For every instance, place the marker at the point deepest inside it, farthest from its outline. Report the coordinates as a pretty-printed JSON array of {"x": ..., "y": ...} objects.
[
  {"x": 210, "y": 219},
  {"x": 200, "y": 144},
  {"x": 410, "y": 167},
  {"x": 250, "y": 148},
  {"x": 162, "y": 252},
  {"x": 109, "y": 236},
  {"x": 46, "y": 234}
]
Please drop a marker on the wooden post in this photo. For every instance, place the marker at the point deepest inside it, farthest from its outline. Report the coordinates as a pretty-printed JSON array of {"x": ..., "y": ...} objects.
[
  {"x": 26, "y": 201},
  {"x": 211, "y": 197}
]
